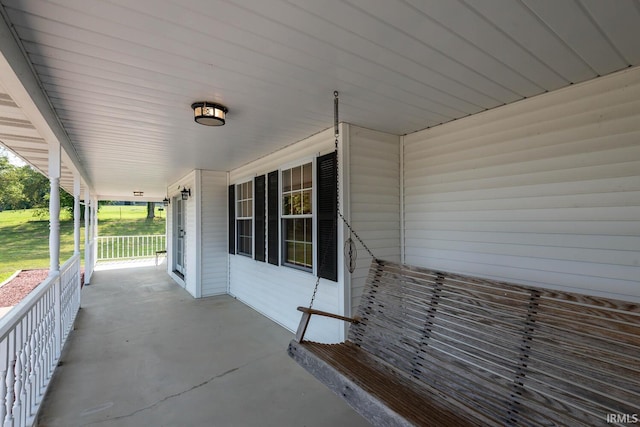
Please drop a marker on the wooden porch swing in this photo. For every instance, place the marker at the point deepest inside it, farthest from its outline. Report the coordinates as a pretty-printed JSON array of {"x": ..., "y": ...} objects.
[{"x": 432, "y": 348}]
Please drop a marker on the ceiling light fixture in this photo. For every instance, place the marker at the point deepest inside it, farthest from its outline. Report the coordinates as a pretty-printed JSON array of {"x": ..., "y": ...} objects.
[
  {"x": 209, "y": 113},
  {"x": 138, "y": 193}
]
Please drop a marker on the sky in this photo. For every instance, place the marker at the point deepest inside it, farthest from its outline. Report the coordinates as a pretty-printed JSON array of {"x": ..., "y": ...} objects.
[{"x": 13, "y": 159}]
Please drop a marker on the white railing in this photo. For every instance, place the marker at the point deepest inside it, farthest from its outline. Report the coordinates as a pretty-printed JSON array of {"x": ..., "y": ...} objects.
[
  {"x": 120, "y": 247},
  {"x": 32, "y": 335},
  {"x": 89, "y": 260}
]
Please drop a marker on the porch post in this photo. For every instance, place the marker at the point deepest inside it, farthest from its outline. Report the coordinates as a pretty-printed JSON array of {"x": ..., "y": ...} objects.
[
  {"x": 94, "y": 231},
  {"x": 88, "y": 266},
  {"x": 54, "y": 208},
  {"x": 76, "y": 214},
  {"x": 54, "y": 241}
]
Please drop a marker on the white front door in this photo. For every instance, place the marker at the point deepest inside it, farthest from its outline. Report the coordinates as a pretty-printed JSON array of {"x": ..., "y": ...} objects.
[{"x": 180, "y": 235}]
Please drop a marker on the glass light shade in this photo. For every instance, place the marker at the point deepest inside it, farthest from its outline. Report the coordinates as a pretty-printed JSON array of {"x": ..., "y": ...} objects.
[
  {"x": 185, "y": 193},
  {"x": 209, "y": 113}
]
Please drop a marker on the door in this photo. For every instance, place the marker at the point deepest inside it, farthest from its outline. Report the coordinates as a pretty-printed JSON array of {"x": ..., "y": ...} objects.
[{"x": 180, "y": 235}]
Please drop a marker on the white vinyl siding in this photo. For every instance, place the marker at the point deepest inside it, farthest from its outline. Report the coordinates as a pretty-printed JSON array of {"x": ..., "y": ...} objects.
[
  {"x": 545, "y": 191},
  {"x": 192, "y": 236},
  {"x": 205, "y": 233},
  {"x": 214, "y": 233},
  {"x": 191, "y": 246},
  {"x": 374, "y": 168},
  {"x": 190, "y": 281},
  {"x": 169, "y": 233},
  {"x": 276, "y": 291}
]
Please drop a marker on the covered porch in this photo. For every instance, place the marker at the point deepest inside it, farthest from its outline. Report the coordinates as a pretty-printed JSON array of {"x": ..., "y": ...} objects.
[
  {"x": 144, "y": 352},
  {"x": 498, "y": 140}
]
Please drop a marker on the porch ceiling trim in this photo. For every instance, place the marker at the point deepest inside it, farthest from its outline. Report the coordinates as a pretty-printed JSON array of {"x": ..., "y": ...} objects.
[{"x": 25, "y": 90}]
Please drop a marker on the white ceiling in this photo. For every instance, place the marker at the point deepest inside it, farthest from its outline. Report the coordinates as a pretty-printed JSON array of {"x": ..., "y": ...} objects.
[{"x": 121, "y": 74}]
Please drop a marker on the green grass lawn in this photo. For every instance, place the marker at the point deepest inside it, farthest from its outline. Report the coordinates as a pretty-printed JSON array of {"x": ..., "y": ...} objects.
[
  {"x": 24, "y": 238},
  {"x": 129, "y": 221}
]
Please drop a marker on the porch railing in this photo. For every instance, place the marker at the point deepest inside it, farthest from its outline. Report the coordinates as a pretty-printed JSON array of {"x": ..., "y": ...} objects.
[
  {"x": 32, "y": 335},
  {"x": 128, "y": 247}
]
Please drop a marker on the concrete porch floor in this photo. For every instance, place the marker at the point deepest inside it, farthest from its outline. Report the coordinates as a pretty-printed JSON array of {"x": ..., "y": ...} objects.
[{"x": 145, "y": 353}]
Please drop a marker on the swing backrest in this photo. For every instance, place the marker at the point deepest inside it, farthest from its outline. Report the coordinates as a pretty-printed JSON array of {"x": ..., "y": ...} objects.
[
  {"x": 528, "y": 355},
  {"x": 468, "y": 352}
]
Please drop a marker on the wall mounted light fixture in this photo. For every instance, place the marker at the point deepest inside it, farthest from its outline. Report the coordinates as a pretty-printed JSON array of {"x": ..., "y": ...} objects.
[
  {"x": 166, "y": 201},
  {"x": 186, "y": 193},
  {"x": 209, "y": 113}
]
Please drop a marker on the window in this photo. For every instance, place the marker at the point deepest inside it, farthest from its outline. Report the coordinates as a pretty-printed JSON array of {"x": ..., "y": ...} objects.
[
  {"x": 297, "y": 216},
  {"x": 244, "y": 218}
]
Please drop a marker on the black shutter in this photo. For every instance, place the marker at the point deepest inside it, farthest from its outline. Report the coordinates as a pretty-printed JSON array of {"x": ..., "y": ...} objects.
[
  {"x": 259, "y": 217},
  {"x": 273, "y": 240},
  {"x": 232, "y": 219},
  {"x": 327, "y": 213}
]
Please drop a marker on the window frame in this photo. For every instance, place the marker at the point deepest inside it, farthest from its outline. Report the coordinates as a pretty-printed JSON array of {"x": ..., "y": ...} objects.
[
  {"x": 240, "y": 219},
  {"x": 283, "y": 217}
]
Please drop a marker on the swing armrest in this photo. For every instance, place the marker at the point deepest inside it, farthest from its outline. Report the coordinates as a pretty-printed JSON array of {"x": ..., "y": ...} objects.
[{"x": 306, "y": 316}]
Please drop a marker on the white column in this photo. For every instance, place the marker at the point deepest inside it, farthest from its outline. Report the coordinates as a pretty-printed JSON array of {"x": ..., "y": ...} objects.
[
  {"x": 76, "y": 213},
  {"x": 88, "y": 266},
  {"x": 54, "y": 241},
  {"x": 54, "y": 208},
  {"x": 94, "y": 231}
]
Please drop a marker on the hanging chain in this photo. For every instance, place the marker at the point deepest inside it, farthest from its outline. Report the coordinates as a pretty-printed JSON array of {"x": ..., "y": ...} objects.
[
  {"x": 350, "y": 254},
  {"x": 336, "y": 131},
  {"x": 315, "y": 291},
  {"x": 337, "y": 134},
  {"x": 352, "y": 231}
]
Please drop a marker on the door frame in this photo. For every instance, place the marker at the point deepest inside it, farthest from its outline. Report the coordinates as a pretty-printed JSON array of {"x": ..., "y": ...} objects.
[{"x": 179, "y": 233}]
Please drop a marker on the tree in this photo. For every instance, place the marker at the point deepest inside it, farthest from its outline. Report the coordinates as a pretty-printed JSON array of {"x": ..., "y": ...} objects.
[
  {"x": 67, "y": 202},
  {"x": 35, "y": 187},
  {"x": 151, "y": 208},
  {"x": 23, "y": 187},
  {"x": 11, "y": 187}
]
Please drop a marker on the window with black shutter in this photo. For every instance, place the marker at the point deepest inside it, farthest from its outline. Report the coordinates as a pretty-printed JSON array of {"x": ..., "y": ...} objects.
[
  {"x": 327, "y": 212},
  {"x": 273, "y": 219},
  {"x": 259, "y": 217}
]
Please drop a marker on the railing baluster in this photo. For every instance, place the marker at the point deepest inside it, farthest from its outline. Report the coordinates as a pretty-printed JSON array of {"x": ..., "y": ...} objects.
[
  {"x": 17, "y": 383},
  {"x": 130, "y": 247},
  {"x": 4, "y": 363},
  {"x": 9, "y": 382},
  {"x": 33, "y": 350},
  {"x": 39, "y": 345}
]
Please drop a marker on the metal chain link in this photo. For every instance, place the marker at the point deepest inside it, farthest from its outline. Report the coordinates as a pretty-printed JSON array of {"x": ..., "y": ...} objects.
[{"x": 351, "y": 230}]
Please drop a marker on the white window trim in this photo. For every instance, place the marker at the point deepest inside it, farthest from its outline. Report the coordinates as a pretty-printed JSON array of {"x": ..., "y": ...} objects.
[{"x": 252, "y": 217}]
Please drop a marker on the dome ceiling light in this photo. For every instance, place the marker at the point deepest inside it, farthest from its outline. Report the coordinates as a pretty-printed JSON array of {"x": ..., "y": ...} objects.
[{"x": 209, "y": 113}]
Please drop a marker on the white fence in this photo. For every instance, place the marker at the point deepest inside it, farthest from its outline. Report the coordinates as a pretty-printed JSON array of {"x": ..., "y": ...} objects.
[
  {"x": 127, "y": 247},
  {"x": 31, "y": 339}
]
